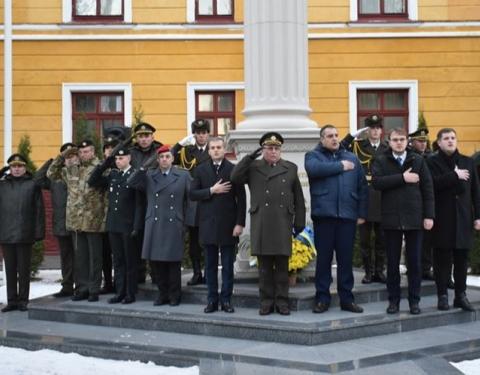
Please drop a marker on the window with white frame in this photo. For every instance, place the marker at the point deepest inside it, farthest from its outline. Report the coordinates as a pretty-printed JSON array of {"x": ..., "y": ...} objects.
[
  {"x": 395, "y": 101},
  {"x": 383, "y": 10},
  {"x": 97, "y": 11}
]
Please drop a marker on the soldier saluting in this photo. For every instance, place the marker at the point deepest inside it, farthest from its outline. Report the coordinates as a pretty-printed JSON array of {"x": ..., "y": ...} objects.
[
  {"x": 189, "y": 153},
  {"x": 365, "y": 150}
]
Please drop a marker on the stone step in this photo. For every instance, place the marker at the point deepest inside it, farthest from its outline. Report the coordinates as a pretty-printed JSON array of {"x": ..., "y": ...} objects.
[
  {"x": 300, "y": 328},
  {"x": 302, "y": 296},
  {"x": 422, "y": 351}
]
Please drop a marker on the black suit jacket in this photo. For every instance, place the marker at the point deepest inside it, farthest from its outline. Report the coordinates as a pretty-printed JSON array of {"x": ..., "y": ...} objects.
[{"x": 218, "y": 213}]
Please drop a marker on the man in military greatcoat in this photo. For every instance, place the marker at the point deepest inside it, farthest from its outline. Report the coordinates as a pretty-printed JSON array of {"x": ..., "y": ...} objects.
[
  {"x": 58, "y": 191},
  {"x": 221, "y": 208},
  {"x": 189, "y": 153},
  {"x": 457, "y": 207},
  {"x": 85, "y": 218},
  {"x": 167, "y": 189},
  {"x": 121, "y": 219},
  {"x": 21, "y": 224},
  {"x": 145, "y": 148},
  {"x": 366, "y": 149},
  {"x": 277, "y": 208}
]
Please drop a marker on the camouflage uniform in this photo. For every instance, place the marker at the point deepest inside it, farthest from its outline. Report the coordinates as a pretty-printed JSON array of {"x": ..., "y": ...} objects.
[{"x": 86, "y": 219}]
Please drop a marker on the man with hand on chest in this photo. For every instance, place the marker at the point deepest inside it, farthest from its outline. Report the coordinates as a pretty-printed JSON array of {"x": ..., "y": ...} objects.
[{"x": 221, "y": 209}]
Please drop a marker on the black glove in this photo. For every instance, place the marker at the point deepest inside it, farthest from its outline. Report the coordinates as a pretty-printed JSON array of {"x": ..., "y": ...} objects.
[
  {"x": 297, "y": 230},
  {"x": 4, "y": 170},
  {"x": 255, "y": 154},
  {"x": 109, "y": 162},
  {"x": 150, "y": 162}
]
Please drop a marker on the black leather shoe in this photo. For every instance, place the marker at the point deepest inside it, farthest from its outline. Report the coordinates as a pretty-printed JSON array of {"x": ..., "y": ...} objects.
[
  {"x": 414, "y": 308},
  {"x": 428, "y": 275},
  {"x": 367, "y": 279},
  {"x": 265, "y": 310},
  {"x": 443, "y": 303},
  {"x": 282, "y": 310},
  {"x": 320, "y": 307},
  {"x": 393, "y": 308},
  {"x": 160, "y": 302},
  {"x": 352, "y": 307},
  {"x": 211, "y": 307},
  {"x": 379, "y": 277},
  {"x": 93, "y": 298},
  {"x": 450, "y": 284},
  {"x": 463, "y": 303},
  {"x": 128, "y": 300},
  {"x": 9, "y": 308},
  {"x": 63, "y": 293},
  {"x": 174, "y": 302},
  {"x": 80, "y": 297},
  {"x": 22, "y": 307},
  {"x": 227, "y": 307},
  {"x": 196, "y": 279},
  {"x": 115, "y": 299},
  {"x": 107, "y": 289}
]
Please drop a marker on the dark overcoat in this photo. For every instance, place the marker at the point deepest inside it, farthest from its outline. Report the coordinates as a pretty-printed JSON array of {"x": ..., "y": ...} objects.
[
  {"x": 365, "y": 152},
  {"x": 23, "y": 215},
  {"x": 276, "y": 204},
  {"x": 404, "y": 206},
  {"x": 167, "y": 198},
  {"x": 58, "y": 193},
  {"x": 190, "y": 157},
  {"x": 218, "y": 213},
  {"x": 457, "y": 202},
  {"x": 123, "y": 205}
]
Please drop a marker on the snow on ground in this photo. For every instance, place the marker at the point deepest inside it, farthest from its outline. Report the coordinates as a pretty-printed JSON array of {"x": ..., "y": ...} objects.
[{"x": 49, "y": 362}]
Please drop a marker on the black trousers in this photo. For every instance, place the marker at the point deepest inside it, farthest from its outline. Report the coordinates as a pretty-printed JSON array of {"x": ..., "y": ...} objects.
[
  {"x": 373, "y": 256},
  {"x": 88, "y": 262},
  {"x": 169, "y": 279},
  {"x": 141, "y": 263},
  {"x": 413, "y": 243},
  {"x": 66, "y": 261},
  {"x": 107, "y": 261},
  {"x": 427, "y": 257},
  {"x": 195, "y": 250},
  {"x": 442, "y": 267},
  {"x": 17, "y": 266},
  {"x": 124, "y": 263},
  {"x": 273, "y": 279}
]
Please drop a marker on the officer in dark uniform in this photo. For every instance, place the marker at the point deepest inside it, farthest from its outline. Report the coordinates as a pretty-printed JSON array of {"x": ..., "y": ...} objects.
[
  {"x": 21, "y": 224},
  {"x": 121, "y": 215},
  {"x": 189, "y": 153},
  {"x": 419, "y": 143},
  {"x": 145, "y": 148},
  {"x": 366, "y": 149}
]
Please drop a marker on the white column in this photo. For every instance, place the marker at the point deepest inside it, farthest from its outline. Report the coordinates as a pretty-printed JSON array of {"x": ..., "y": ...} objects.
[
  {"x": 7, "y": 79},
  {"x": 276, "y": 65}
]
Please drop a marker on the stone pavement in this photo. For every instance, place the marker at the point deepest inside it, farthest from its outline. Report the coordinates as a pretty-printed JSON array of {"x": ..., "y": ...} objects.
[{"x": 245, "y": 343}]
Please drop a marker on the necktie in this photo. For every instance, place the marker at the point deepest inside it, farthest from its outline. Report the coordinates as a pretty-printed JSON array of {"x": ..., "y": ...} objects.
[
  {"x": 165, "y": 174},
  {"x": 399, "y": 161},
  {"x": 374, "y": 147},
  {"x": 217, "y": 167}
]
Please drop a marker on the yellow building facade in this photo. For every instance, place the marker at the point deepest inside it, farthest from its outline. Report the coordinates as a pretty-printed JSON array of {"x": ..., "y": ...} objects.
[{"x": 161, "y": 56}]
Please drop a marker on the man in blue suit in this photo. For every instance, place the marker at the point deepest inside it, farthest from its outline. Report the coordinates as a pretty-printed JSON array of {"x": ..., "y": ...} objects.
[{"x": 339, "y": 198}]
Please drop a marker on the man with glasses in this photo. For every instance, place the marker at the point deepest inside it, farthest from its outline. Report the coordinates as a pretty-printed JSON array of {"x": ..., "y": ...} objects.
[
  {"x": 277, "y": 208},
  {"x": 407, "y": 209}
]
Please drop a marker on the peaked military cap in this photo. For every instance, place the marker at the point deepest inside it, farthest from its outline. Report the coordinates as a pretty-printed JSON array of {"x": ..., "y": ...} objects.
[
  {"x": 374, "y": 121},
  {"x": 123, "y": 151},
  {"x": 419, "y": 134},
  {"x": 144, "y": 128},
  {"x": 67, "y": 146},
  {"x": 116, "y": 132},
  {"x": 271, "y": 139},
  {"x": 162, "y": 149},
  {"x": 85, "y": 143},
  {"x": 200, "y": 124},
  {"x": 16, "y": 159}
]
